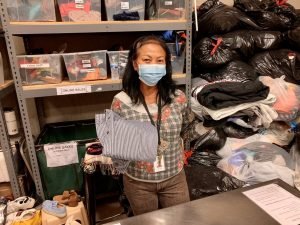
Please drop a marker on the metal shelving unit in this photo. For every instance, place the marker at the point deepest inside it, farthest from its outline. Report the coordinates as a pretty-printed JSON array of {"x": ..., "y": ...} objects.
[
  {"x": 6, "y": 88},
  {"x": 43, "y": 90},
  {"x": 27, "y": 28},
  {"x": 23, "y": 28}
]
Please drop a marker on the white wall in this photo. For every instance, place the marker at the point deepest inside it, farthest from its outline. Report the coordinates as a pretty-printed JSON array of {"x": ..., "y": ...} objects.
[{"x": 295, "y": 3}]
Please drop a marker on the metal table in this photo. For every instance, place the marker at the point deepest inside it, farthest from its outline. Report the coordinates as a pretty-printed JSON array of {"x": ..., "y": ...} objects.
[{"x": 230, "y": 208}]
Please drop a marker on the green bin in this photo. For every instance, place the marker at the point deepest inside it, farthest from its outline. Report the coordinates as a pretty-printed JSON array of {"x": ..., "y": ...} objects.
[{"x": 57, "y": 179}]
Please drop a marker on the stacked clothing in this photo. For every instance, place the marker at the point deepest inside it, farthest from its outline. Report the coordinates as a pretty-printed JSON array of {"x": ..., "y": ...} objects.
[
  {"x": 234, "y": 99},
  {"x": 246, "y": 71},
  {"x": 120, "y": 142}
]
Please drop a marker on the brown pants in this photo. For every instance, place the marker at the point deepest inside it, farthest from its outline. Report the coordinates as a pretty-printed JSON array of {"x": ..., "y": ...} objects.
[{"x": 146, "y": 197}]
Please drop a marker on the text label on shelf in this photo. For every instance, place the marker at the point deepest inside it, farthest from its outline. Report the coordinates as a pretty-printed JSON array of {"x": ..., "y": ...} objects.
[
  {"x": 75, "y": 89},
  {"x": 34, "y": 65}
]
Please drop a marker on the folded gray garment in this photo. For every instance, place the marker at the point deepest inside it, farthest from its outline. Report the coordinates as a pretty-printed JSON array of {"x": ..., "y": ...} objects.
[{"x": 126, "y": 139}]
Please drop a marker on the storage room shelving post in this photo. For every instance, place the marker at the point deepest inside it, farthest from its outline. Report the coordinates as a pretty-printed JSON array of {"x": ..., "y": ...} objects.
[
  {"x": 30, "y": 28},
  {"x": 5, "y": 89}
]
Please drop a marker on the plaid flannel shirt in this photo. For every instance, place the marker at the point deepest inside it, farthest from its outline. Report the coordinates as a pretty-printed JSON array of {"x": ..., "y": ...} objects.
[{"x": 172, "y": 120}]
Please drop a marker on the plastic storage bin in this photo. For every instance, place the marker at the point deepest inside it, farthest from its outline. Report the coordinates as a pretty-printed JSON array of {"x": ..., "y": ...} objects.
[
  {"x": 57, "y": 179},
  {"x": 117, "y": 62},
  {"x": 125, "y": 9},
  {"x": 80, "y": 10},
  {"x": 177, "y": 57},
  {"x": 40, "y": 69},
  {"x": 83, "y": 66},
  {"x": 167, "y": 10},
  {"x": 31, "y": 10}
]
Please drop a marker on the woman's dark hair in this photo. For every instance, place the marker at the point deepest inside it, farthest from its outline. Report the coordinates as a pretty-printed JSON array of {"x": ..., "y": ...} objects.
[{"x": 131, "y": 81}]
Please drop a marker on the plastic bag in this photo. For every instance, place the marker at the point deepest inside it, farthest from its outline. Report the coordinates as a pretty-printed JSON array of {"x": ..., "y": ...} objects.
[
  {"x": 259, "y": 162},
  {"x": 286, "y": 99},
  {"x": 269, "y": 14},
  {"x": 235, "y": 131},
  {"x": 247, "y": 43},
  {"x": 297, "y": 23},
  {"x": 276, "y": 63},
  {"x": 216, "y": 18},
  {"x": 205, "y": 179},
  {"x": 293, "y": 38},
  {"x": 233, "y": 71},
  {"x": 209, "y": 53},
  {"x": 212, "y": 140},
  {"x": 278, "y": 133}
]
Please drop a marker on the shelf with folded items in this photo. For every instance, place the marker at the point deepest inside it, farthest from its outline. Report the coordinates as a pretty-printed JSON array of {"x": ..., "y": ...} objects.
[
  {"x": 20, "y": 37},
  {"x": 44, "y": 90},
  {"x": 28, "y": 28}
]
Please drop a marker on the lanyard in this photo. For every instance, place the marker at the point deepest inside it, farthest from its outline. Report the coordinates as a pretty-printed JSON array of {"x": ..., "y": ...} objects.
[{"x": 158, "y": 122}]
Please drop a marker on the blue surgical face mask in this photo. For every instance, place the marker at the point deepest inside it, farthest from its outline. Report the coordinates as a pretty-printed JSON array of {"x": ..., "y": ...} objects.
[{"x": 150, "y": 74}]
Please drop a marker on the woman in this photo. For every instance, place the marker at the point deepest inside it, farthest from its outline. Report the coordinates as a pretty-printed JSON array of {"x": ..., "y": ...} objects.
[{"x": 150, "y": 95}]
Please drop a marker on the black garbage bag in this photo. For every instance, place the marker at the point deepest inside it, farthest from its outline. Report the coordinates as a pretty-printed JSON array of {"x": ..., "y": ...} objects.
[
  {"x": 233, "y": 130},
  {"x": 204, "y": 158},
  {"x": 276, "y": 63},
  {"x": 216, "y": 18},
  {"x": 234, "y": 71},
  {"x": 254, "y": 5},
  {"x": 247, "y": 43},
  {"x": 204, "y": 180},
  {"x": 297, "y": 23},
  {"x": 269, "y": 14},
  {"x": 293, "y": 38},
  {"x": 213, "y": 140},
  {"x": 209, "y": 53}
]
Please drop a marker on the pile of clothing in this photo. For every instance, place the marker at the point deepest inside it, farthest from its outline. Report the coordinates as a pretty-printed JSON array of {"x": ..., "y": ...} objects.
[{"x": 245, "y": 87}]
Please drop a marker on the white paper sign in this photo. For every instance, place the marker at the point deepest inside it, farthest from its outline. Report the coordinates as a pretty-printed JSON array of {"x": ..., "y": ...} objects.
[
  {"x": 75, "y": 89},
  {"x": 124, "y": 5},
  {"x": 79, "y": 1},
  {"x": 61, "y": 154},
  {"x": 277, "y": 202},
  {"x": 168, "y": 2}
]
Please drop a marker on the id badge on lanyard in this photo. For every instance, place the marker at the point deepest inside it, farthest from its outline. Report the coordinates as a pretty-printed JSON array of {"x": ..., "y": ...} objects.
[{"x": 159, "y": 164}]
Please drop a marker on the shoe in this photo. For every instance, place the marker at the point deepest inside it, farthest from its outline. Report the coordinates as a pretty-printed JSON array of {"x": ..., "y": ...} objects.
[
  {"x": 54, "y": 208},
  {"x": 73, "y": 199},
  {"x": 3, "y": 205},
  {"x": 29, "y": 216},
  {"x": 20, "y": 203},
  {"x": 59, "y": 198},
  {"x": 68, "y": 198},
  {"x": 71, "y": 221},
  {"x": 21, "y": 215}
]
